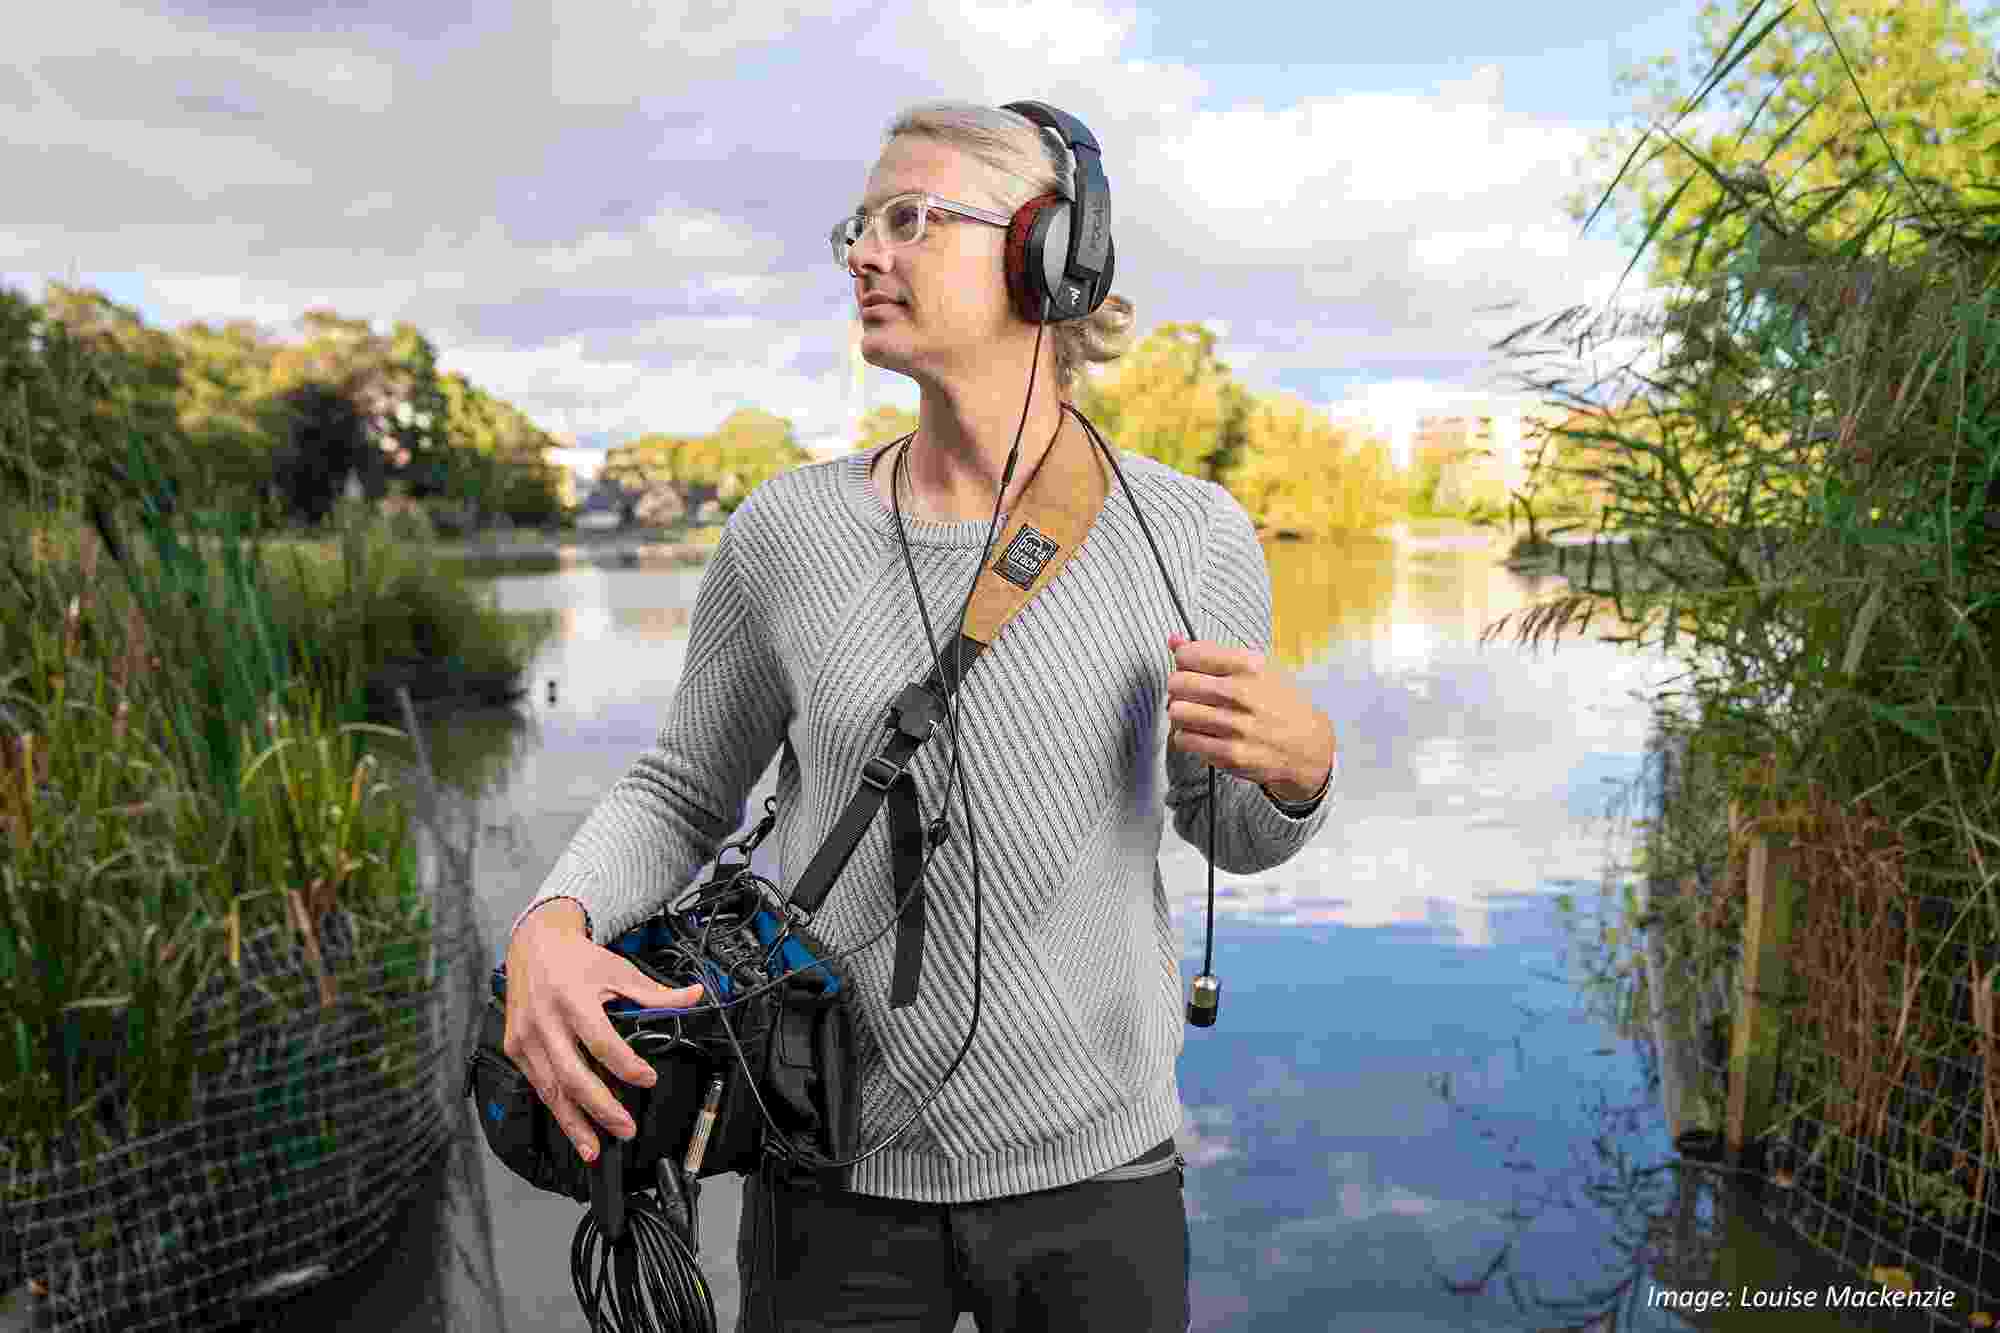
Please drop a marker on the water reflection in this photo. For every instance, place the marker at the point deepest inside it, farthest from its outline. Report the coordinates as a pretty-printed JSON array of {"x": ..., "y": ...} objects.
[
  {"x": 1405, "y": 1119},
  {"x": 1467, "y": 771}
]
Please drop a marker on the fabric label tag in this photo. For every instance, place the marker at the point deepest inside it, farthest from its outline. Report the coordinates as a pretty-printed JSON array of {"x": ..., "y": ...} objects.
[{"x": 1024, "y": 557}]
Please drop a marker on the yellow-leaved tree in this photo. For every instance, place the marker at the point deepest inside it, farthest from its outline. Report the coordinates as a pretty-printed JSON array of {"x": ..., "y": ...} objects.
[
  {"x": 1301, "y": 473},
  {"x": 883, "y": 424},
  {"x": 749, "y": 448},
  {"x": 1172, "y": 399}
]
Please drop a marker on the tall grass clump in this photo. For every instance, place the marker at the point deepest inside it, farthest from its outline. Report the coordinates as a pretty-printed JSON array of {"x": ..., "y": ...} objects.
[
  {"x": 396, "y": 615},
  {"x": 157, "y": 811},
  {"x": 1809, "y": 472},
  {"x": 219, "y": 962}
]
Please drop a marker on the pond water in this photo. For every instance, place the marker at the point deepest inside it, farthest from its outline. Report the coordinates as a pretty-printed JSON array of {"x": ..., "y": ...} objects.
[{"x": 1410, "y": 1115}]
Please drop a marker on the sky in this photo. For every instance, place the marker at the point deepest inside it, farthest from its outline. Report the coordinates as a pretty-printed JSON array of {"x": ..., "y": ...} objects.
[{"x": 613, "y": 214}]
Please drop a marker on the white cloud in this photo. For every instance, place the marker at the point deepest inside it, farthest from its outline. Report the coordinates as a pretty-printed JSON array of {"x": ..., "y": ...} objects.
[
  {"x": 567, "y": 389},
  {"x": 1059, "y": 33},
  {"x": 599, "y": 218},
  {"x": 613, "y": 53}
]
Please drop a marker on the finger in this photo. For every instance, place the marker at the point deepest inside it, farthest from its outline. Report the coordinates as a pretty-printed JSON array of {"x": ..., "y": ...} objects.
[
  {"x": 575, "y": 1125},
  {"x": 1218, "y": 752},
  {"x": 1202, "y": 719},
  {"x": 643, "y": 990},
  {"x": 611, "y": 1050},
  {"x": 549, "y": 1091},
  {"x": 1216, "y": 659},
  {"x": 580, "y": 1083},
  {"x": 1194, "y": 686}
]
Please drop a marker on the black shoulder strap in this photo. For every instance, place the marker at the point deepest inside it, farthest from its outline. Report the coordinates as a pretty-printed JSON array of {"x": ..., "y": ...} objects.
[{"x": 1063, "y": 499}]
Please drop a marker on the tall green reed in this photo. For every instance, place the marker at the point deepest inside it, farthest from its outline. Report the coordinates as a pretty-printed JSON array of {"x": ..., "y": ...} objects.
[
  {"x": 130, "y": 885},
  {"x": 1809, "y": 475},
  {"x": 170, "y": 784},
  {"x": 183, "y": 765},
  {"x": 1804, "y": 476}
]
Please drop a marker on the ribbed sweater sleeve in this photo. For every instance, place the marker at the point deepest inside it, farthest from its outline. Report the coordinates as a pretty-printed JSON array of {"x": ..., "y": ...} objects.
[
  {"x": 1233, "y": 607},
  {"x": 663, "y": 821}
]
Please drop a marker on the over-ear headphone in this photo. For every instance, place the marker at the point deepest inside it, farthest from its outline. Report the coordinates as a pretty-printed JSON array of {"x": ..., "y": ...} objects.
[{"x": 1060, "y": 248}]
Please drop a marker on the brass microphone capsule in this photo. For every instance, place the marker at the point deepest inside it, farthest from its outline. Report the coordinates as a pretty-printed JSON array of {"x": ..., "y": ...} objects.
[{"x": 1205, "y": 1001}]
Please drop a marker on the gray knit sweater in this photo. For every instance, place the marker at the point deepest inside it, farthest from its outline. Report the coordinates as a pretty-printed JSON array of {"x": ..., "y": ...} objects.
[{"x": 804, "y": 628}]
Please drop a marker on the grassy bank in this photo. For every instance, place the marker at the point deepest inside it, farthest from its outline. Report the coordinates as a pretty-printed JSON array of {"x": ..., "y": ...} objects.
[{"x": 186, "y": 765}]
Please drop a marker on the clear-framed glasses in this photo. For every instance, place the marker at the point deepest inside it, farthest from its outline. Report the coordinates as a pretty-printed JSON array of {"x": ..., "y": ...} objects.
[{"x": 900, "y": 221}]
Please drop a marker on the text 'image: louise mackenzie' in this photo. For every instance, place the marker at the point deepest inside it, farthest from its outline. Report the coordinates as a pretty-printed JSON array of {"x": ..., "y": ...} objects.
[{"x": 1833, "y": 1297}]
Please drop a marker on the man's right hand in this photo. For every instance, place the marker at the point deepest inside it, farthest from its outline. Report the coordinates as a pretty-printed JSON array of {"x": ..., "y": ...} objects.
[{"x": 558, "y": 983}]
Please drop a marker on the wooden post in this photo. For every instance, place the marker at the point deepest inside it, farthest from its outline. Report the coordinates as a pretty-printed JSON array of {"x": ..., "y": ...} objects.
[{"x": 1763, "y": 987}]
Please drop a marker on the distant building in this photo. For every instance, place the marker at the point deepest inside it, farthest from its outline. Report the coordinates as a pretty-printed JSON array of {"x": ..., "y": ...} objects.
[{"x": 1411, "y": 414}]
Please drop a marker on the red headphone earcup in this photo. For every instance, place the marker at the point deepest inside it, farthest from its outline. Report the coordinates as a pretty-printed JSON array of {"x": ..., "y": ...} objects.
[{"x": 1024, "y": 255}]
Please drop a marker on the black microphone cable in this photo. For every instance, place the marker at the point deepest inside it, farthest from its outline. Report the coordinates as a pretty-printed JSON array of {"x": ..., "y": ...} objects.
[
  {"x": 1206, "y": 1001},
  {"x": 954, "y": 771}
]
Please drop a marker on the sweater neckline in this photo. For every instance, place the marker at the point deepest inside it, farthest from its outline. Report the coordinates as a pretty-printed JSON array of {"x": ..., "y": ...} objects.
[{"x": 857, "y": 487}]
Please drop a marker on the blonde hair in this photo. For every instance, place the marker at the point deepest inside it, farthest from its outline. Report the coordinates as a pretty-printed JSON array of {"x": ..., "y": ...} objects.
[{"x": 1020, "y": 161}]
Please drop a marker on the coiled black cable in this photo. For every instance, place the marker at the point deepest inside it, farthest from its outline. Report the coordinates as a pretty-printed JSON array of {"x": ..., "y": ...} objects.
[{"x": 646, "y": 1281}]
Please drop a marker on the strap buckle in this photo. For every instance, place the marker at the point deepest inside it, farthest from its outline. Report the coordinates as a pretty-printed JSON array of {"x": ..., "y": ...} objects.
[
  {"x": 881, "y": 773},
  {"x": 915, "y": 713}
]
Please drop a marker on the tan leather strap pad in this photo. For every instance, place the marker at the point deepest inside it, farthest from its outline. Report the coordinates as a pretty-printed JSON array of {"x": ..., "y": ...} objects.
[{"x": 1054, "y": 515}]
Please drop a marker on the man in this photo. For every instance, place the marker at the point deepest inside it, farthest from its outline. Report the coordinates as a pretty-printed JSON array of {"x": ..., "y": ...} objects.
[{"x": 1039, "y": 1189}]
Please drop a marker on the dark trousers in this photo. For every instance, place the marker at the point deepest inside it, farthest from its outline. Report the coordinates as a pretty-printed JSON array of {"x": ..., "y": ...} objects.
[{"x": 1094, "y": 1255}]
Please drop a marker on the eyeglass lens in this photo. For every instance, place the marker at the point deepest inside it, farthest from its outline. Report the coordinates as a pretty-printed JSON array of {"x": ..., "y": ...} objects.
[{"x": 900, "y": 223}]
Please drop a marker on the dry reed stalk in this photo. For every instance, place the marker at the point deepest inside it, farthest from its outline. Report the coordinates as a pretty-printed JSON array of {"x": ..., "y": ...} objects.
[
  {"x": 310, "y": 936},
  {"x": 18, "y": 755},
  {"x": 133, "y": 660},
  {"x": 72, "y": 635},
  {"x": 1867, "y": 1022},
  {"x": 1989, "y": 1059}
]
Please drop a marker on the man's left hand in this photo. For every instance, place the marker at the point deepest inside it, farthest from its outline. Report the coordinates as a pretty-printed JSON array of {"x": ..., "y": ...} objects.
[{"x": 1227, "y": 707}]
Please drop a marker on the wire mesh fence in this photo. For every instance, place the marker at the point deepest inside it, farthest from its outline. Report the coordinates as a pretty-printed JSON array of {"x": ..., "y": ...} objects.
[
  {"x": 1883, "y": 1146},
  {"x": 1886, "y": 1157},
  {"x": 341, "y": 1060}
]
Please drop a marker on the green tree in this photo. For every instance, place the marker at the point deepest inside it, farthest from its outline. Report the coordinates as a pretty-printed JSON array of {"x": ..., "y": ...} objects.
[
  {"x": 1797, "y": 127},
  {"x": 325, "y": 440},
  {"x": 48, "y": 382},
  {"x": 139, "y": 370},
  {"x": 232, "y": 426},
  {"x": 494, "y": 455},
  {"x": 648, "y": 461},
  {"x": 1171, "y": 398},
  {"x": 393, "y": 383},
  {"x": 749, "y": 448},
  {"x": 418, "y": 416}
]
